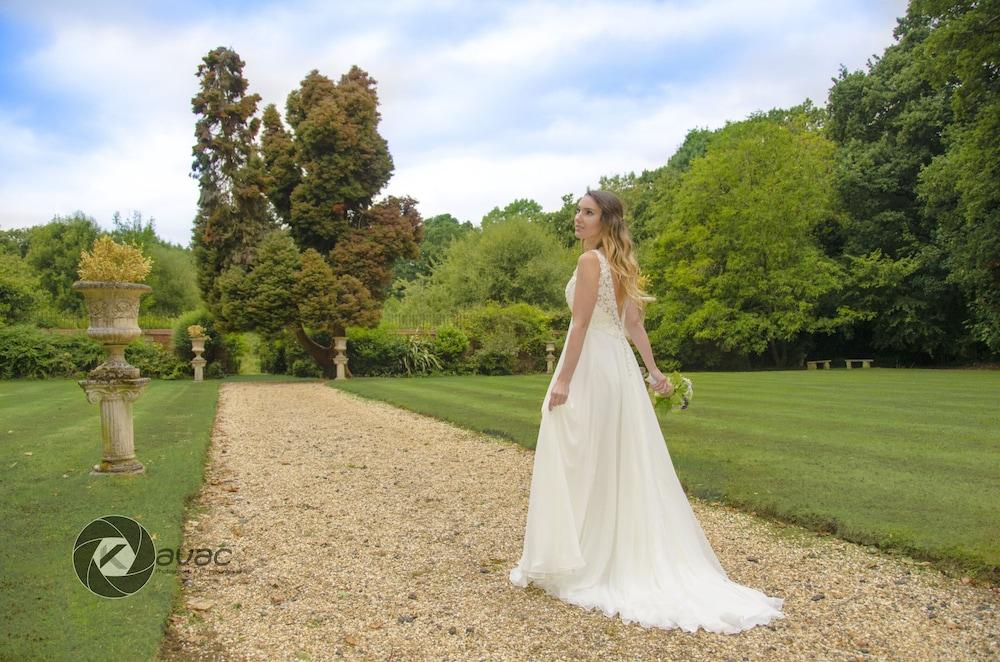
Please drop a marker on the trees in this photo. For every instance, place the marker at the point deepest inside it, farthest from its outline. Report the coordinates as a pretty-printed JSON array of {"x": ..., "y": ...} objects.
[
  {"x": 525, "y": 208},
  {"x": 737, "y": 261},
  {"x": 559, "y": 223},
  {"x": 648, "y": 197},
  {"x": 510, "y": 261},
  {"x": 331, "y": 264},
  {"x": 232, "y": 211},
  {"x": 888, "y": 123},
  {"x": 959, "y": 186},
  {"x": 917, "y": 172},
  {"x": 53, "y": 253},
  {"x": 439, "y": 232},
  {"x": 20, "y": 291},
  {"x": 173, "y": 277}
]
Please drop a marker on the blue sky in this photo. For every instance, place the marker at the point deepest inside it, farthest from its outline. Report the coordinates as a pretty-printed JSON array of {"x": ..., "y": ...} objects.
[{"x": 481, "y": 102}]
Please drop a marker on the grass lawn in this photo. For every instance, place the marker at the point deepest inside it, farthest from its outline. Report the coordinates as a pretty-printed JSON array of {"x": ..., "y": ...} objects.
[
  {"x": 908, "y": 460},
  {"x": 46, "y": 498}
]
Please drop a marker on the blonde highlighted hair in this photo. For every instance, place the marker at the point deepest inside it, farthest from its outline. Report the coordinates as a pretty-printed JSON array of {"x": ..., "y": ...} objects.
[{"x": 616, "y": 240}]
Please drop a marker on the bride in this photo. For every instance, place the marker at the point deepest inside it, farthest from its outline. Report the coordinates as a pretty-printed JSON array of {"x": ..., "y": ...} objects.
[{"x": 609, "y": 525}]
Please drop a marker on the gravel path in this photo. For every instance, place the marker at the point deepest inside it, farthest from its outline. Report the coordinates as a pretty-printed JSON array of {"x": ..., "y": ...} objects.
[{"x": 364, "y": 531}]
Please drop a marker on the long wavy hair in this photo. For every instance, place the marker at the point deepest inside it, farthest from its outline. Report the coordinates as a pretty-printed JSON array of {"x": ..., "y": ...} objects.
[{"x": 615, "y": 238}]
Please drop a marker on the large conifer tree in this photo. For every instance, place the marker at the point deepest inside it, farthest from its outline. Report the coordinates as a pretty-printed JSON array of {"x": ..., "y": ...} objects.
[
  {"x": 330, "y": 266},
  {"x": 232, "y": 211}
]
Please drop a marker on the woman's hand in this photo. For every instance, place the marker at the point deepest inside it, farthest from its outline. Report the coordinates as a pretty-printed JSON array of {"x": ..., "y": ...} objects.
[
  {"x": 661, "y": 384},
  {"x": 559, "y": 394}
]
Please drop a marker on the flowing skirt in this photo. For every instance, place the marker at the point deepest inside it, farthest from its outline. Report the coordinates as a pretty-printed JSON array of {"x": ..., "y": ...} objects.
[{"x": 609, "y": 526}]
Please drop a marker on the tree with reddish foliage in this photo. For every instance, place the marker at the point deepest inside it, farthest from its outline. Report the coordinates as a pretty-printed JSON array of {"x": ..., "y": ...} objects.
[{"x": 330, "y": 266}]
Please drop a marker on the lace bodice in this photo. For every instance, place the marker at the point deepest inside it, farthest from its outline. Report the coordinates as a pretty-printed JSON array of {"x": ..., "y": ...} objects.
[{"x": 605, "y": 315}]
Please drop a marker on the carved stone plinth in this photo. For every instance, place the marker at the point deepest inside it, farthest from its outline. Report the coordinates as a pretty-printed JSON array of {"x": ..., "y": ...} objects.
[
  {"x": 117, "y": 442},
  {"x": 549, "y": 356},
  {"x": 340, "y": 344}
]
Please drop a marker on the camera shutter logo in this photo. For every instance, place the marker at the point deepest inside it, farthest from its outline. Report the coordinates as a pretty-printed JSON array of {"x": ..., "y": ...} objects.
[{"x": 114, "y": 556}]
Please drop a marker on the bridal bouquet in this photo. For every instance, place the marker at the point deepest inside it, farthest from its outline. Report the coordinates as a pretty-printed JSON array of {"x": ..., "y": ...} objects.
[{"x": 681, "y": 394}]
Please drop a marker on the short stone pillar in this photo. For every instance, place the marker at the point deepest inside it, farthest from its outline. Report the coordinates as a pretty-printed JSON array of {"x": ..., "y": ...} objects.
[
  {"x": 340, "y": 344},
  {"x": 117, "y": 440},
  {"x": 198, "y": 346},
  {"x": 549, "y": 356}
]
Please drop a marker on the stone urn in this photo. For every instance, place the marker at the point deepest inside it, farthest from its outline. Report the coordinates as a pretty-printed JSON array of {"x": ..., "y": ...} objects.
[
  {"x": 198, "y": 346},
  {"x": 113, "y": 308}
]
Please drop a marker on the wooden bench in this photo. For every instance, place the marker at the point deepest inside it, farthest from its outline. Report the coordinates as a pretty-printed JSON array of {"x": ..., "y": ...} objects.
[
  {"x": 811, "y": 365},
  {"x": 865, "y": 363}
]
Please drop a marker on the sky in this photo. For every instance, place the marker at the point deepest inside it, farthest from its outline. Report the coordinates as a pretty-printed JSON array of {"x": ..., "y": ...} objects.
[{"x": 482, "y": 102}]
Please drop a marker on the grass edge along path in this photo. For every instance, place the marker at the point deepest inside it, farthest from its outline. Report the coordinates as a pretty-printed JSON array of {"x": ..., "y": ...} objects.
[
  {"x": 902, "y": 460},
  {"x": 51, "y": 439}
]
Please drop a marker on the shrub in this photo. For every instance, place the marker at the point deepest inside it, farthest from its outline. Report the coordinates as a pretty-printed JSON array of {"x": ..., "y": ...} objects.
[
  {"x": 86, "y": 352},
  {"x": 271, "y": 351},
  {"x": 522, "y": 327},
  {"x": 375, "y": 352},
  {"x": 451, "y": 346},
  {"x": 559, "y": 320},
  {"x": 26, "y": 351},
  {"x": 221, "y": 348},
  {"x": 154, "y": 360},
  {"x": 419, "y": 357},
  {"x": 305, "y": 368},
  {"x": 496, "y": 355}
]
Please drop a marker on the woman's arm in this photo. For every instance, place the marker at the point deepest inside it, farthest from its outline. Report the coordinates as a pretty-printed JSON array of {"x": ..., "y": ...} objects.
[
  {"x": 636, "y": 331},
  {"x": 588, "y": 274}
]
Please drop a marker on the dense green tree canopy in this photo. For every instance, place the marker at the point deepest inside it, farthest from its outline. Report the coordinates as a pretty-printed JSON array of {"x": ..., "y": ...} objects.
[
  {"x": 737, "y": 263},
  {"x": 173, "y": 276},
  {"x": 510, "y": 261},
  {"x": 961, "y": 187},
  {"x": 326, "y": 171},
  {"x": 439, "y": 232},
  {"x": 21, "y": 293},
  {"x": 332, "y": 265},
  {"x": 870, "y": 226},
  {"x": 54, "y": 253},
  {"x": 891, "y": 124}
]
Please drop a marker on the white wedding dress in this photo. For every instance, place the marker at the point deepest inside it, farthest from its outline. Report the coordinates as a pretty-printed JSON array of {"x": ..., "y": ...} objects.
[{"x": 609, "y": 525}]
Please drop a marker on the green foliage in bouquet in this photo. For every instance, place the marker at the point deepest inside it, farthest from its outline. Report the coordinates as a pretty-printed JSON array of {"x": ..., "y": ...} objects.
[{"x": 680, "y": 396}]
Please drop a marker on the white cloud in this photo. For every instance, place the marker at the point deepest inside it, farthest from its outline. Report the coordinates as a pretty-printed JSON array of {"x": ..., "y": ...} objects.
[{"x": 474, "y": 119}]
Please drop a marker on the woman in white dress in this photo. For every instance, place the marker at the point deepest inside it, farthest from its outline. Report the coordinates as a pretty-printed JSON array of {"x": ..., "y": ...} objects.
[{"x": 609, "y": 526}]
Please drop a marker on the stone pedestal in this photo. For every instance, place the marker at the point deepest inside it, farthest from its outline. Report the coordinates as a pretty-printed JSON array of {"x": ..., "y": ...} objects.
[
  {"x": 549, "y": 356},
  {"x": 113, "y": 307},
  {"x": 340, "y": 360},
  {"x": 117, "y": 441},
  {"x": 198, "y": 346}
]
